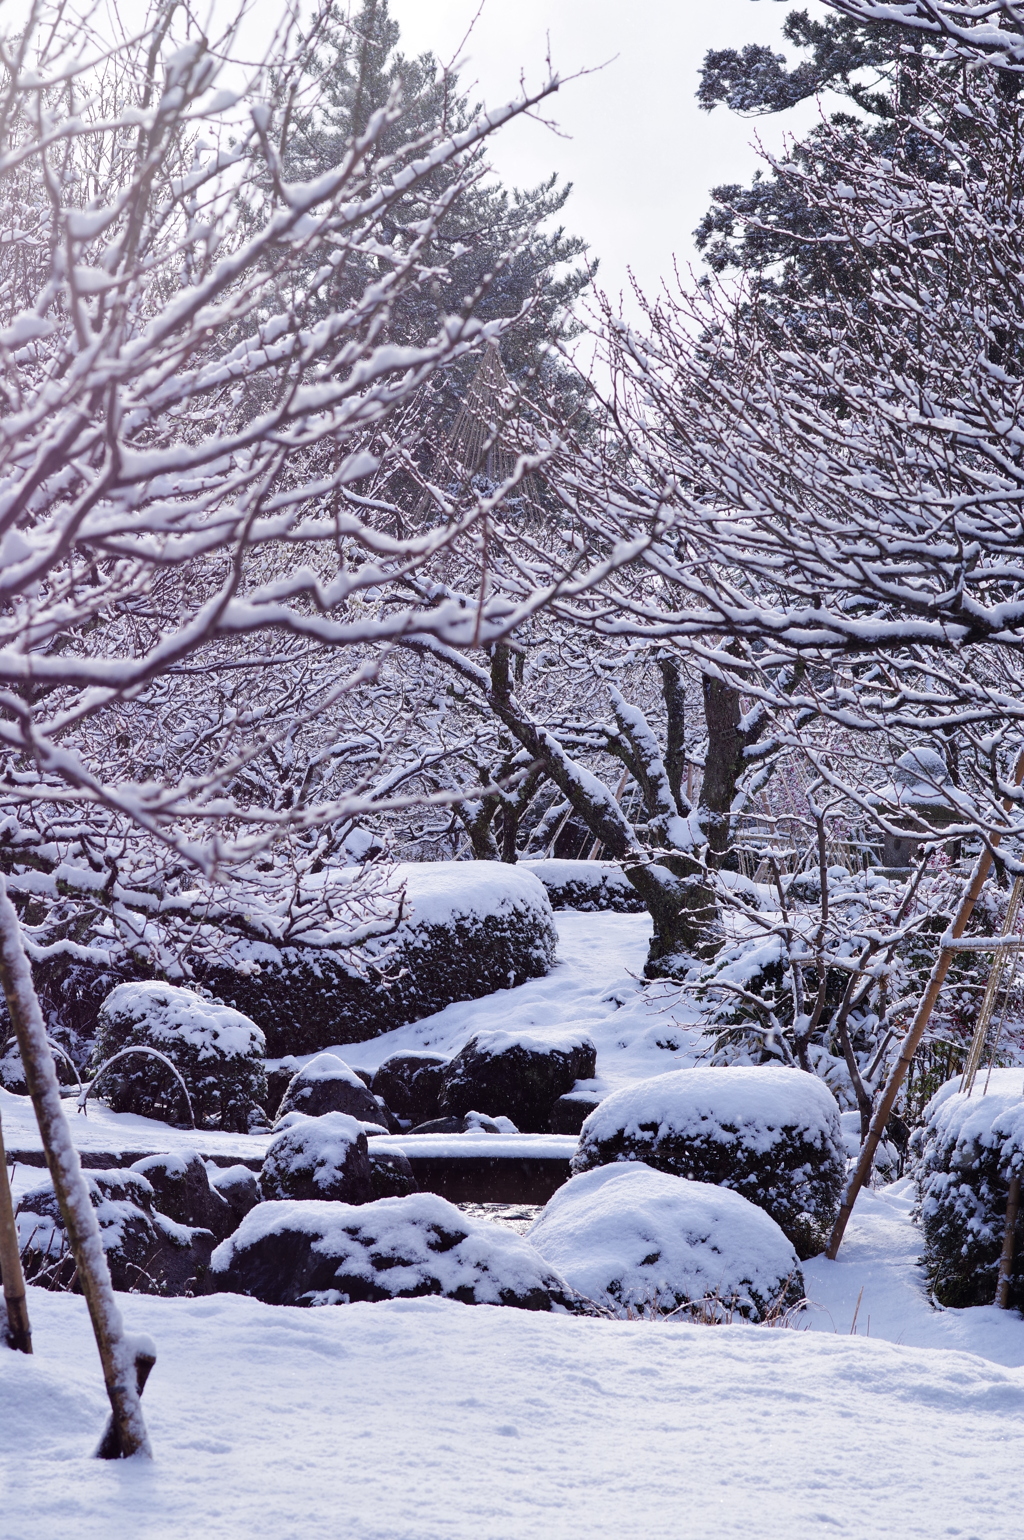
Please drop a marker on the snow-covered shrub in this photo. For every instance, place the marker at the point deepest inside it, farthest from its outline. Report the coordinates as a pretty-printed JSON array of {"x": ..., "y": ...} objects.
[
  {"x": 633, "y": 1238},
  {"x": 586, "y": 885},
  {"x": 397, "y": 1248},
  {"x": 470, "y": 928},
  {"x": 772, "y": 1135},
  {"x": 147, "y": 1252},
  {"x": 968, "y": 1148},
  {"x": 518, "y": 1074},
  {"x": 410, "y": 1084},
  {"x": 325, "y": 1157},
  {"x": 326, "y": 1084},
  {"x": 217, "y": 1051}
]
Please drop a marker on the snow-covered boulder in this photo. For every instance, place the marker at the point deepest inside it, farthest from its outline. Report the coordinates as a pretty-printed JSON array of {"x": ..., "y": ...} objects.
[
  {"x": 967, "y": 1151},
  {"x": 572, "y": 1110},
  {"x": 181, "y": 1185},
  {"x": 325, "y": 1157},
  {"x": 411, "y": 1085},
  {"x": 466, "y": 1123},
  {"x": 631, "y": 1238},
  {"x": 470, "y": 928},
  {"x": 326, "y": 1084},
  {"x": 772, "y": 1135},
  {"x": 217, "y": 1051},
  {"x": 518, "y": 1074},
  {"x": 587, "y": 885},
  {"x": 147, "y": 1252},
  {"x": 239, "y": 1188},
  {"x": 391, "y": 1174},
  {"x": 397, "y": 1248}
]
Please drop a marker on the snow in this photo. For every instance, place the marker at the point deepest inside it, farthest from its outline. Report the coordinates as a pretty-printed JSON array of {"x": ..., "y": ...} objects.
[
  {"x": 625, "y": 1235},
  {"x": 432, "y": 1420},
  {"x": 314, "y": 1151},
  {"x": 491, "y": 1044},
  {"x": 171, "y": 1014},
  {"x": 478, "y": 1144},
  {"x": 327, "y": 1066},
  {"x": 437, "y": 892},
  {"x": 993, "y": 1114},
  {"x": 752, "y": 1106}
]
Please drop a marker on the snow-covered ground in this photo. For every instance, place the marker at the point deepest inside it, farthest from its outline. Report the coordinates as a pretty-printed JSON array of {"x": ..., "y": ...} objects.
[{"x": 875, "y": 1415}]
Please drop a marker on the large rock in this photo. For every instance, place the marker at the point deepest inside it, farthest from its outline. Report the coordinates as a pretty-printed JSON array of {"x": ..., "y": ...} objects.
[
  {"x": 181, "y": 1185},
  {"x": 967, "y": 1149},
  {"x": 397, "y": 1248},
  {"x": 326, "y": 1084},
  {"x": 638, "y": 1241},
  {"x": 466, "y": 1123},
  {"x": 325, "y": 1157},
  {"x": 517, "y": 1074},
  {"x": 391, "y": 1174},
  {"x": 572, "y": 1110},
  {"x": 772, "y": 1135},
  {"x": 411, "y": 1085},
  {"x": 470, "y": 928},
  {"x": 147, "y": 1252},
  {"x": 217, "y": 1051},
  {"x": 239, "y": 1188}
]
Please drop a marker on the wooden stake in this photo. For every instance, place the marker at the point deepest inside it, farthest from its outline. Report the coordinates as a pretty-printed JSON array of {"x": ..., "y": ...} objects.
[
  {"x": 1009, "y": 1237},
  {"x": 118, "y": 1353},
  {"x": 19, "y": 1332},
  {"x": 912, "y": 1041}
]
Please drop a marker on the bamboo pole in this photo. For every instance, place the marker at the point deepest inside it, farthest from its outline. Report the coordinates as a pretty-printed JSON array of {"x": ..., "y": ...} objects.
[
  {"x": 19, "y": 1331},
  {"x": 119, "y": 1355},
  {"x": 912, "y": 1041},
  {"x": 1009, "y": 1237}
]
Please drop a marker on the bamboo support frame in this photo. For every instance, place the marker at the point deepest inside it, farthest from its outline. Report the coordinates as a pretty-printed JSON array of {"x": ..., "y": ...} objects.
[
  {"x": 912, "y": 1041},
  {"x": 19, "y": 1331}
]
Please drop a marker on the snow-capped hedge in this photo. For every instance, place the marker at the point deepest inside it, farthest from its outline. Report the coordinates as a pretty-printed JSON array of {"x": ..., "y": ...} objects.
[
  {"x": 587, "y": 885},
  {"x": 397, "y": 1248},
  {"x": 772, "y": 1135},
  {"x": 470, "y": 928},
  {"x": 967, "y": 1150},
  {"x": 324, "y": 1157},
  {"x": 217, "y": 1051},
  {"x": 631, "y": 1238}
]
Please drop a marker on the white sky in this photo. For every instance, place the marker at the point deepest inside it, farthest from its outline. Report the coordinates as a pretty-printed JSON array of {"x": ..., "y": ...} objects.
[{"x": 640, "y": 153}]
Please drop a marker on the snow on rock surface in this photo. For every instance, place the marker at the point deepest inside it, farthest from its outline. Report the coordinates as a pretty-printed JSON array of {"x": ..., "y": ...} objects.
[
  {"x": 967, "y": 1151},
  {"x": 324, "y": 1157},
  {"x": 326, "y": 1084},
  {"x": 470, "y": 928},
  {"x": 217, "y": 1051},
  {"x": 517, "y": 1073},
  {"x": 772, "y": 1135},
  {"x": 332, "y": 1253},
  {"x": 425, "y": 1420},
  {"x": 627, "y": 1236}
]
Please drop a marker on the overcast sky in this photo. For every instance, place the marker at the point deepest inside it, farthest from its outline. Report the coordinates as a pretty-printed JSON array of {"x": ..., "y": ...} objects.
[{"x": 640, "y": 153}]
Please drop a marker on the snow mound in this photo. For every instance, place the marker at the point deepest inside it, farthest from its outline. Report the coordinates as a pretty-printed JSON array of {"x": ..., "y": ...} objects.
[
  {"x": 217, "y": 1051},
  {"x": 772, "y": 1135},
  {"x": 327, "y": 1084},
  {"x": 968, "y": 1148},
  {"x": 635, "y": 1239},
  {"x": 325, "y": 1157},
  {"x": 311, "y": 1253},
  {"x": 590, "y": 886}
]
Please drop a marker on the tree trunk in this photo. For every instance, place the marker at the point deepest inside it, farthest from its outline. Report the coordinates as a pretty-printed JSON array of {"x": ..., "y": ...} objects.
[
  {"x": 724, "y": 764},
  {"x": 19, "y": 1332},
  {"x": 118, "y": 1353}
]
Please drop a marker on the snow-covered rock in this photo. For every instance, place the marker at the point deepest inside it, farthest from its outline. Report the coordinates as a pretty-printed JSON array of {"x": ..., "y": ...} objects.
[
  {"x": 147, "y": 1252},
  {"x": 470, "y": 928},
  {"x": 466, "y": 1123},
  {"x": 326, "y": 1084},
  {"x": 391, "y": 1174},
  {"x": 325, "y": 1157},
  {"x": 217, "y": 1051},
  {"x": 518, "y": 1074},
  {"x": 586, "y": 885},
  {"x": 967, "y": 1151},
  {"x": 571, "y": 1111},
  {"x": 181, "y": 1184},
  {"x": 239, "y": 1188},
  {"x": 635, "y": 1239},
  {"x": 772, "y": 1135},
  {"x": 398, "y": 1248},
  {"x": 411, "y": 1085}
]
